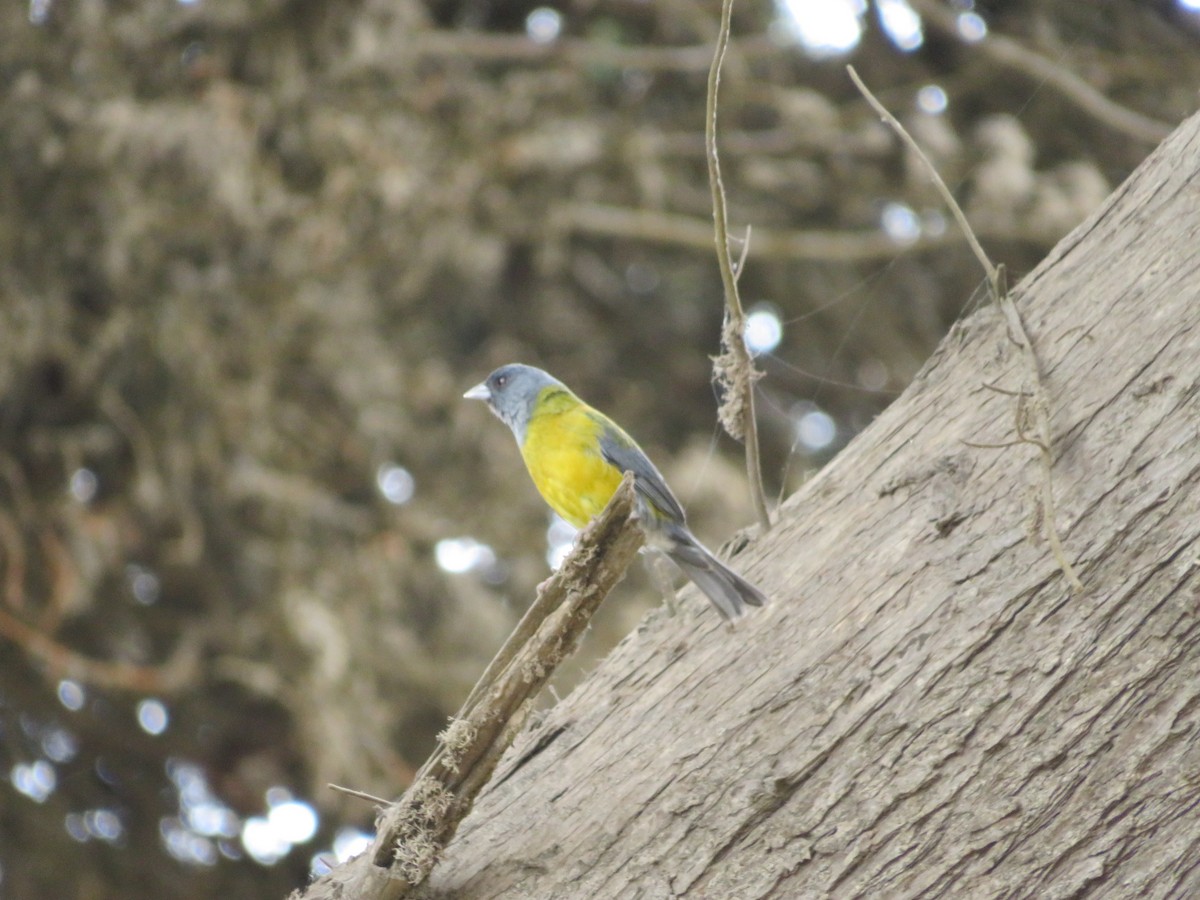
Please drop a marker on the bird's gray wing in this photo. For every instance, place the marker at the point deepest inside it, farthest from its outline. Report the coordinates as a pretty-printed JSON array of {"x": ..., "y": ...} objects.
[{"x": 619, "y": 449}]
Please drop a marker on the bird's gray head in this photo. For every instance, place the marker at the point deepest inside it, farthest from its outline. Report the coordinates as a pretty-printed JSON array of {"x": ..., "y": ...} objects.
[{"x": 511, "y": 393}]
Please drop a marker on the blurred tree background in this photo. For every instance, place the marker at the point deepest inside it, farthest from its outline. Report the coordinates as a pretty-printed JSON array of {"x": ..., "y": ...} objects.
[{"x": 251, "y": 254}]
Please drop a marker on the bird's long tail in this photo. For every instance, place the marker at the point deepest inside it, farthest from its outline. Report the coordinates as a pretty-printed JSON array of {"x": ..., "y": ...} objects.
[{"x": 729, "y": 592}]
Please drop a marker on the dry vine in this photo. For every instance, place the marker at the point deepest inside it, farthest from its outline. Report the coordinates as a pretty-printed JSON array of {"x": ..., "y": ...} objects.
[
  {"x": 734, "y": 369},
  {"x": 1037, "y": 409}
]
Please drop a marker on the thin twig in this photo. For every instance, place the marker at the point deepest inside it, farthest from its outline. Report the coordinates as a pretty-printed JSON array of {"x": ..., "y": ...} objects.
[
  {"x": 1017, "y": 334},
  {"x": 1044, "y": 439},
  {"x": 361, "y": 795},
  {"x": 947, "y": 197},
  {"x": 734, "y": 368},
  {"x": 1005, "y": 391}
]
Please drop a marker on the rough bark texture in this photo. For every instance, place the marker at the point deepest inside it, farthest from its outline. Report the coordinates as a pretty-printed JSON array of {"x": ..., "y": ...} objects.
[
  {"x": 253, "y": 251},
  {"x": 925, "y": 710}
]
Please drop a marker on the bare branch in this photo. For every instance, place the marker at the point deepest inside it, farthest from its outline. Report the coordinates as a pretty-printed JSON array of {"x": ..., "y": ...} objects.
[
  {"x": 361, "y": 795},
  {"x": 1040, "y": 409},
  {"x": 412, "y": 831},
  {"x": 955, "y": 210},
  {"x": 734, "y": 368}
]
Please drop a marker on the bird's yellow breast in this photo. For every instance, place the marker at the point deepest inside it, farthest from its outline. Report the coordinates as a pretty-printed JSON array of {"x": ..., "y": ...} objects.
[{"x": 562, "y": 452}]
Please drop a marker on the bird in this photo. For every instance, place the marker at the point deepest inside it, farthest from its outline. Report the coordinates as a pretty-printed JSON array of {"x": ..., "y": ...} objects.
[{"x": 577, "y": 457}]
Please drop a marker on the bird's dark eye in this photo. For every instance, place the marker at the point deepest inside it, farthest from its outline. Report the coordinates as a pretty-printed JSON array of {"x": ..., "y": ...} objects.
[{"x": 501, "y": 380}]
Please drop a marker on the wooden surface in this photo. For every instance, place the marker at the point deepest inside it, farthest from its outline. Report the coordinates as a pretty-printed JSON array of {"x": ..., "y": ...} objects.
[{"x": 925, "y": 710}]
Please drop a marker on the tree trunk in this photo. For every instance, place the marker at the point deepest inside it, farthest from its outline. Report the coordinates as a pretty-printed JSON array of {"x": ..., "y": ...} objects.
[{"x": 926, "y": 709}]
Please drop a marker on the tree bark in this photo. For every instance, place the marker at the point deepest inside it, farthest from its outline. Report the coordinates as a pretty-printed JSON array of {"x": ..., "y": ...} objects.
[{"x": 926, "y": 709}]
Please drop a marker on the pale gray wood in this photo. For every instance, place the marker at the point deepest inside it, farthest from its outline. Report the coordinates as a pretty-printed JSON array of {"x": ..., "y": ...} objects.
[{"x": 925, "y": 710}]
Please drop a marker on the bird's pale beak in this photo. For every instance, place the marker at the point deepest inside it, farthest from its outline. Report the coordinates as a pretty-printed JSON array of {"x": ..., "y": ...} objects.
[{"x": 479, "y": 392}]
